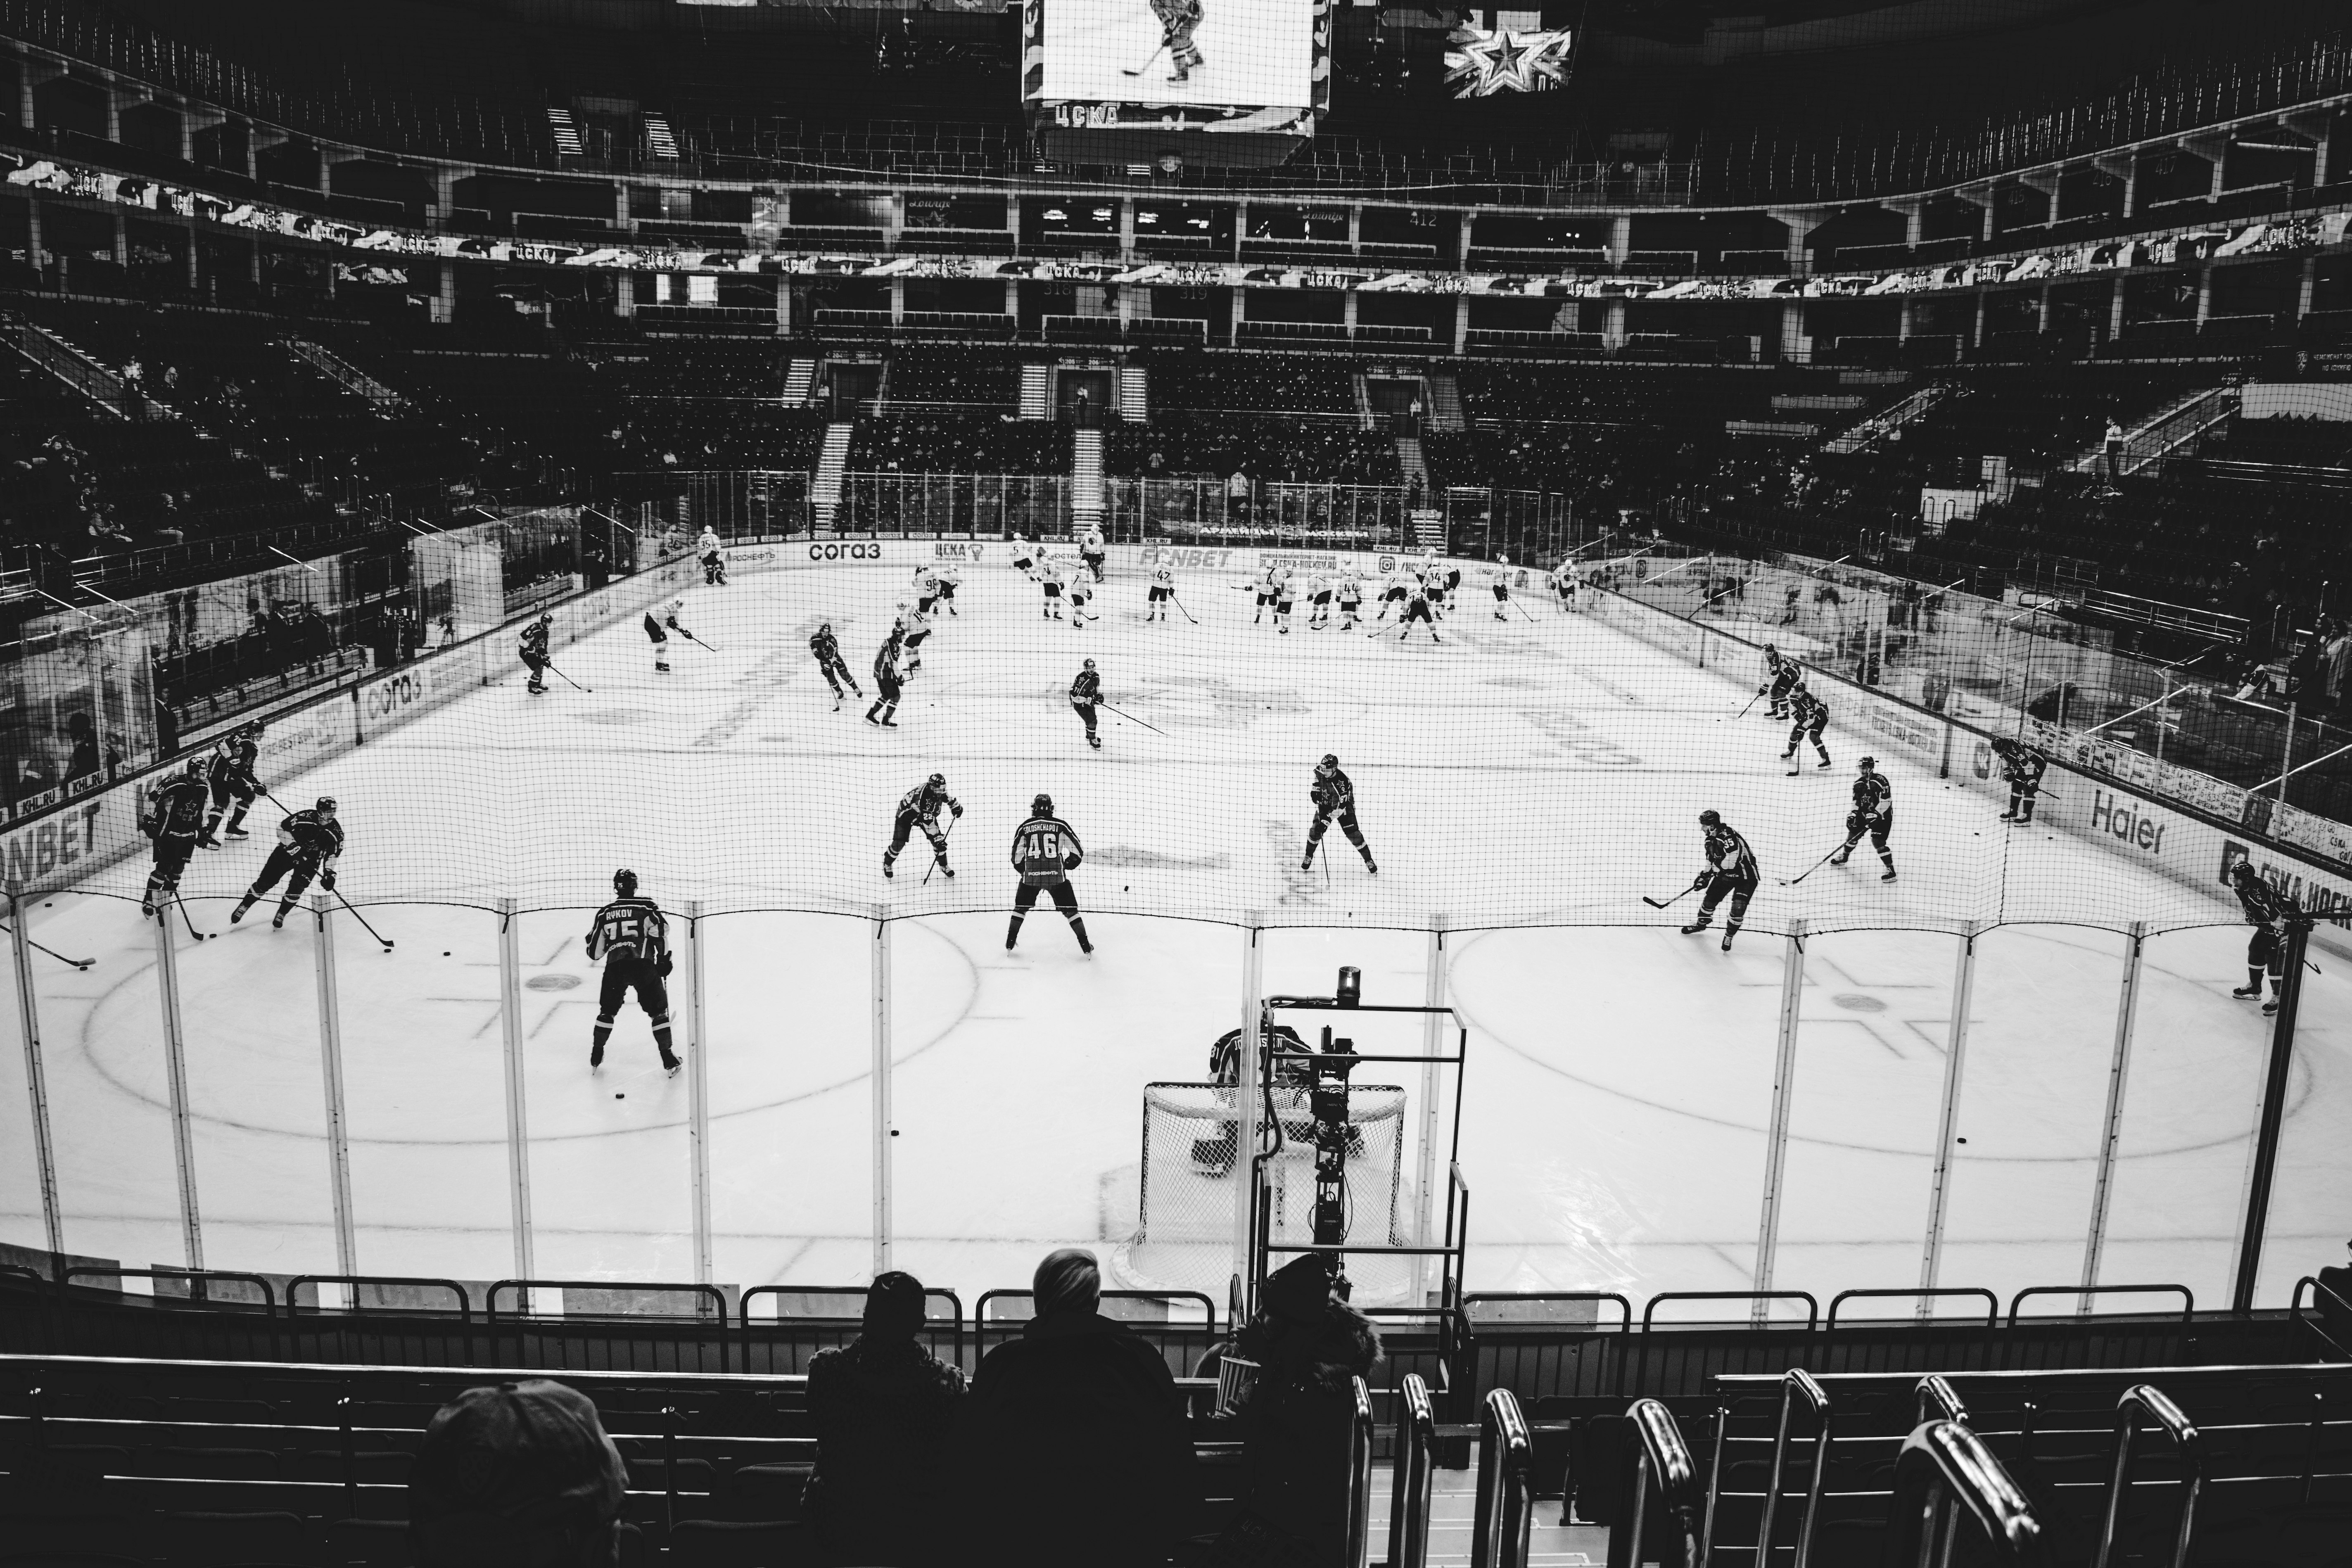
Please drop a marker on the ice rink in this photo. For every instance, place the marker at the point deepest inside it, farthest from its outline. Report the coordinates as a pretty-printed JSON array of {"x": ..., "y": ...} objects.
[
  {"x": 1257, "y": 55},
  {"x": 1524, "y": 781}
]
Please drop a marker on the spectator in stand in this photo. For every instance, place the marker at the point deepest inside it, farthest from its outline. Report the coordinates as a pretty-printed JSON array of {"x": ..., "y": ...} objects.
[
  {"x": 1075, "y": 1449},
  {"x": 1292, "y": 1418},
  {"x": 2114, "y": 445},
  {"x": 884, "y": 1408},
  {"x": 82, "y": 762},
  {"x": 2335, "y": 1315},
  {"x": 2335, "y": 665},
  {"x": 518, "y": 1476}
]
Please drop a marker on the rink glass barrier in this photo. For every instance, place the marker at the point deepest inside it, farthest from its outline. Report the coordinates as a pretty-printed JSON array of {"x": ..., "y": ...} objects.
[{"x": 870, "y": 1083}]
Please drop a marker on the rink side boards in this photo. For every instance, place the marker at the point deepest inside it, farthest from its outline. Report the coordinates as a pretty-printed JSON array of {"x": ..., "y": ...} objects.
[
  {"x": 90, "y": 832},
  {"x": 2189, "y": 846}
]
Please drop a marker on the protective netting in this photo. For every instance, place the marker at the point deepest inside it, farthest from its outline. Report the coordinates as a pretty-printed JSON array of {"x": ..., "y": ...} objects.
[{"x": 1539, "y": 761}]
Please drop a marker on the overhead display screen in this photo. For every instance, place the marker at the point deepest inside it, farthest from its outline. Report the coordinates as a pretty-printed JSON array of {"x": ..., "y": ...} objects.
[{"x": 1190, "y": 65}]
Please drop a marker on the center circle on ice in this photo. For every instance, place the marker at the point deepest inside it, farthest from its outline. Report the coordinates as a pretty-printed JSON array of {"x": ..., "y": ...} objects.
[
  {"x": 552, "y": 982},
  {"x": 1852, "y": 1002}
]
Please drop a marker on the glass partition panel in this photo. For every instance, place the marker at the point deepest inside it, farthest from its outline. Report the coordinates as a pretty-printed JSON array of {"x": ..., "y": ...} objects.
[
  {"x": 425, "y": 1079},
  {"x": 2040, "y": 1038},
  {"x": 109, "y": 1099},
  {"x": 250, "y": 1011},
  {"x": 1020, "y": 1087},
  {"x": 21, "y": 1222},
  {"x": 2311, "y": 1194},
  {"x": 2192, "y": 1090},
  {"x": 1872, "y": 1047},
  {"x": 1615, "y": 1110},
  {"x": 609, "y": 1172},
  {"x": 792, "y": 1140}
]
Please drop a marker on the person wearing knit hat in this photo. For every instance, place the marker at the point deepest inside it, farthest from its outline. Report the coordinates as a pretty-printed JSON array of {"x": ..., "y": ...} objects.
[
  {"x": 1292, "y": 1419},
  {"x": 518, "y": 1476},
  {"x": 884, "y": 1408},
  {"x": 1075, "y": 1453}
]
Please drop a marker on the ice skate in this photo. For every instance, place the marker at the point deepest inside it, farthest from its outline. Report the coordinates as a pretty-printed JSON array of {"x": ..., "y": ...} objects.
[
  {"x": 2248, "y": 993},
  {"x": 1839, "y": 859},
  {"x": 1697, "y": 925},
  {"x": 885, "y": 865},
  {"x": 2270, "y": 1007},
  {"x": 1887, "y": 875},
  {"x": 1369, "y": 866},
  {"x": 670, "y": 1064},
  {"x": 596, "y": 1056},
  {"x": 1824, "y": 762},
  {"x": 238, "y": 913},
  {"x": 236, "y": 832},
  {"x": 1096, "y": 741},
  {"x": 945, "y": 869},
  {"x": 2010, "y": 815},
  {"x": 888, "y": 722},
  {"x": 1729, "y": 933}
]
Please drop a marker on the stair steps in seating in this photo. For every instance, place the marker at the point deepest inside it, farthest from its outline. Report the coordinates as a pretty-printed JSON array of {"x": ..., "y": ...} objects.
[
  {"x": 800, "y": 380},
  {"x": 1445, "y": 409},
  {"x": 1086, "y": 478},
  {"x": 1134, "y": 394},
  {"x": 1036, "y": 391},
  {"x": 832, "y": 464}
]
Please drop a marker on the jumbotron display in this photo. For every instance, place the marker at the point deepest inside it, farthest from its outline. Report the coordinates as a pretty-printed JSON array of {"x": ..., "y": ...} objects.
[{"x": 1221, "y": 66}]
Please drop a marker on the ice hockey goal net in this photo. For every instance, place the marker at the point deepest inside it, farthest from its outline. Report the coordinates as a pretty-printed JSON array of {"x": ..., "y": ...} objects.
[{"x": 1184, "y": 1230}]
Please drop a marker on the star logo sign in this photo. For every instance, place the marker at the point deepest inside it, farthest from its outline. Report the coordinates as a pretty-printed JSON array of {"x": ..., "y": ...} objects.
[{"x": 1481, "y": 62}]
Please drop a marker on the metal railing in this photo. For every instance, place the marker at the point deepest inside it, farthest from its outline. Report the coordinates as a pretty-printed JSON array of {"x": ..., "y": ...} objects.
[
  {"x": 1359, "y": 1474},
  {"x": 1413, "y": 1475},
  {"x": 1943, "y": 1472},
  {"x": 1661, "y": 1476},
  {"x": 1504, "y": 1516},
  {"x": 1797, "y": 1383},
  {"x": 2145, "y": 1402}
]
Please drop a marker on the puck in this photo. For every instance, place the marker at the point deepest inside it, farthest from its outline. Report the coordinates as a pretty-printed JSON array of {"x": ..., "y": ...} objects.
[
  {"x": 620, "y": 1096},
  {"x": 445, "y": 952}
]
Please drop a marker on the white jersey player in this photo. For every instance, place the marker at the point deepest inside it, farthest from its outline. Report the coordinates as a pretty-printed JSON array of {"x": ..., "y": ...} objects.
[
  {"x": 1286, "y": 593},
  {"x": 1318, "y": 601},
  {"x": 1049, "y": 577},
  {"x": 1163, "y": 588},
  {"x": 926, "y": 587},
  {"x": 1025, "y": 556},
  {"x": 1352, "y": 598},
  {"x": 1564, "y": 583},
  {"x": 1502, "y": 585},
  {"x": 714, "y": 560}
]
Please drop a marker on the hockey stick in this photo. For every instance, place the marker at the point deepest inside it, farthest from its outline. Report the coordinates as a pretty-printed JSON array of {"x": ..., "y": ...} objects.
[
  {"x": 1751, "y": 703},
  {"x": 193, "y": 932},
  {"x": 1147, "y": 60},
  {"x": 569, "y": 682},
  {"x": 1523, "y": 610},
  {"x": 1811, "y": 868},
  {"x": 695, "y": 640},
  {"x": 361, "y": 919},
  {"x": 53, "y": 953},
  {"x": 1669, "y": 903},
  {"x": 939, "y": 854},
  {"x": 1179, "y": 604},
  {"x": 1133, "y": 719}
]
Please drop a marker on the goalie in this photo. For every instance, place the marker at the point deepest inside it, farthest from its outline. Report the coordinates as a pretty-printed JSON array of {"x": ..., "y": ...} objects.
[
  {"x": 1214, "y": 1156},
  {"x": 1177, "y": 18}
]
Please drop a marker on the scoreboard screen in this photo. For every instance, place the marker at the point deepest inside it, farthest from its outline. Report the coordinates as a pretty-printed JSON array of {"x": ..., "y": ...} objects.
[{"x": 1251, "y": 66}]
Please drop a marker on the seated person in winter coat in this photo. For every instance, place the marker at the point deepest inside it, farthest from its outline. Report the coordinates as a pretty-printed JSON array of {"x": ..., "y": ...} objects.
[
  {"x": 2335, "y": 1315},
  {"x": 884, "y": 1408},
  {"x": 1292, "y": 1422},
  {"x": 1075, "y": 1448},
  {"x": 520, "y": 1475}
]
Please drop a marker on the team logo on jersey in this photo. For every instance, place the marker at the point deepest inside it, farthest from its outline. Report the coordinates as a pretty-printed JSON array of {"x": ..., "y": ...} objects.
[{"x": 845, "y": 552}]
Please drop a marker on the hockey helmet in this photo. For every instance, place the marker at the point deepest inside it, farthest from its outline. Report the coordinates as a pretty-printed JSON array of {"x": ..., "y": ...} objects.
[
  {"x": 937, "y": 781},
  {"x": 1329, "y": 764},
  {"x": 1710, "y": 819},
  {"x": 1867, "y": 763},
  {"x": 251, "y": 727},
  {"x": 1770, "y": 648},
  {"x": 198, "y": 766},
  {"x": 1090, "y": 664},
  {"x": 2242, "y": 870},
  {"x": 326, "y": 806},
  {"x": 823, "y": 627},
  {"x": 1041, "y": 806},
  {"x": 902, "y": 603},
  {"x": 625, "y": 882},
  {"x": 546, "y": 617}
]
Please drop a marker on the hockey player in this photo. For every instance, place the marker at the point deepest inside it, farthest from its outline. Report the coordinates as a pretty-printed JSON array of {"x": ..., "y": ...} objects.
[
  {"x": 1395, "y": 596},
  {"x": 658, "y": 631},
  {"x": 949, "y": 581},
  {"x": 886, "y": 685},
  {"x": 1178, "y": 19},
  {"x": 1049, "y": 577},
  {"x": 175, "y": 819},
  {"x": 1091, "y": 552},
  {"x": 1809, "y": 716},
  {"x": 919, "y": 808},
  {"x": 1351, "y": 599},
  {"x": 535, "y": 656},
  {"x": 1045, "y": 851},
  {"x": 829, "y": 663},
  {"x": 1267, "y": 584},
  {"x": 917, "y": 627},
  {"x": 714, "y": 560},
  {"x": 1448, "y": 583},
  {"x": 234, "y": 755},
  {"x": 308, "y": 845},
  {"x": 927, "y": 589},
  {"x": 1872, "y": 813},
  {"x": 1565, "y": 583},
  {"x": 1319, "y": 602},
  {"x": 1163, "y": 588},
  {"x": 1780, "y": 675},
  {"x": 1730, "y": 868},
  {"x": 1025, "y": 556},
  {"x": 631, "y": 936},
  {"x": 2022, "y": 767},
  {"x": 1334, "y": 796},
  {"x": 1082, "y": 593},
  {"x": 1084, "y": 692},
  {"x": 1285, "y": 595},
  {"x": 1502, "y": 587},
  {"x": 2271, "y": 915},
  {"x": 1417, "y": 608}
]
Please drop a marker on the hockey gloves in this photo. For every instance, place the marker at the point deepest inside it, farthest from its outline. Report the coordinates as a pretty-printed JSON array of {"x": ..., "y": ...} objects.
[
  {"x": 327, "y": 878},
  {"x": 1701, "y": 880}
]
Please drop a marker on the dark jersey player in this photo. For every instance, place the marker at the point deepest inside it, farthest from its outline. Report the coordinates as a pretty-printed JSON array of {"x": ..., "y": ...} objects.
[
  {"x": 632, "y": 937},
  {"x": 309, "y": 843},
  {"x": 1780, "y": 675},
  {"x": 2022, "y": 767},
  {"x": 1045, "y": 851},
  {"x": 535, "y": 656},
  {"x": 886, "y": 685},
  {"x": 175, "y": 820},
  {"x": 920, "y": 807},
  {"x": 829, "y": 663},
  {"x": 1872, "y": 813},
  {"x": 1085, "y": 691},
  {"x": 1334, "y": 794},
  {"x": 233, "y": 778},
  {"x": 1730, "y": 868},
  {"x": 1808, "y": 717},
  {"x": 2271, "y": 915}
]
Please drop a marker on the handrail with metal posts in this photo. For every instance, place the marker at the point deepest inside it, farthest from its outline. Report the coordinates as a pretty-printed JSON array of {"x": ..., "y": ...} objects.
[
  {"x": 2187, "y": 1298},
  {"x": 1359, "y": 1474},
  {"x": 1943, "y": 1467},
  {"x": 1812, "y": 1305},
  {"x": 1992, "y": 1301},
  {"x": 1939, "y": 1401},
  {"x": 1795, "y": 1383},
  {"x": 1662, "y": 1466},
  {"x": 1415, "y": 1471},
  {"x": 2318, "y": 1290},
  {"x": 1505, "y": 1511},
  {"x": 2145, "y": 1400}
]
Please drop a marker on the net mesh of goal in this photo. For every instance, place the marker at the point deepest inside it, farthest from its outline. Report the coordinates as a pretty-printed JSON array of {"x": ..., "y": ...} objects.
[{"x": 1184, "y": 1230}]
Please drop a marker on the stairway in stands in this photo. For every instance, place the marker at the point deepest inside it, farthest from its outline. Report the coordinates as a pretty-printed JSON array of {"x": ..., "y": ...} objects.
[
  {"x": 832, "y": 464},
  {"x": 1036, "y": 391},
  {"x": 800, "y": 380},
  {"x": 1445, "y": 403},
  {"x": 1134, "y": 394},
  {"x": 1411, "y": 464},
  {"x": 1086, "y": 478}
]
